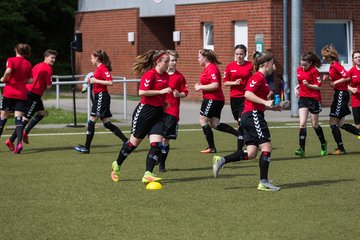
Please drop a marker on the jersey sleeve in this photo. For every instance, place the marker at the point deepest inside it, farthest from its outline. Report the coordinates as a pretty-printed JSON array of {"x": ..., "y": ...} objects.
[
  {"x": 253, "y": 85},
  {"x": 146, "y": 81},
  {"x": 183, "y": 86},
  {"x": 213, "y": 74},
  {"x": 339, "y": 68},
  {"x": 316, "y": 79},
  {"x": 227, "y": 74}
]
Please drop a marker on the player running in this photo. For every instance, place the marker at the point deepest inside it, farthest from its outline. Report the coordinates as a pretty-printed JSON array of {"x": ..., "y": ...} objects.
[{"x": 354, "y": 88}]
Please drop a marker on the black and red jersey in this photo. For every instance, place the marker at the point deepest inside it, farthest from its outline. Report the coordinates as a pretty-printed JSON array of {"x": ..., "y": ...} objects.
[{"x": 235, "y": 71}]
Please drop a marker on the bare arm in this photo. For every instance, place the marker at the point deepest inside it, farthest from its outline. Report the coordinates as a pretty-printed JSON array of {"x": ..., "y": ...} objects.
[
  {"x": 102, "y": 82},
  {"x": 6, "y": 74},
  {"x": 149, "y": 93},
  {"x": 210, "y": 87}
]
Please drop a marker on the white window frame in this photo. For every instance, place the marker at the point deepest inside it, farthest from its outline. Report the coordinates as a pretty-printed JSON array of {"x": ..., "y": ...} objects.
[
  {"x": 349, "y": 35},
  {"x": 208, "y": 32},
  {"x": 241, "y": 28}
]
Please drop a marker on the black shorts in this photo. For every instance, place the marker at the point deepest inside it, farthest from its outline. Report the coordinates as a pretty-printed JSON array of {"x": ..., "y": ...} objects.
[
  {"x": 147, "y": 120},
  {"x": 101, "y": 106},
  {"x": 171, "y": 126},
  {"x": 340, "y": 105},
  {"x": 256, "y": 131},
  {"x": 211, "y": 108},
  {"x": 237, "y": 106},
  {"x": 33, "y": 104},
  {"x": 12, "y": 104},
  {"x": 356, "y": 115},
  {"x": 312, "y": 104}
]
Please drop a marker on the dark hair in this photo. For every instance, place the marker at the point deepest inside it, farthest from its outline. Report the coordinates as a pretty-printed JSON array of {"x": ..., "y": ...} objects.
[
  {"x": 241, "y": 46},
  {"x": 23, "y": 49},
  {"x": 260, "y": 58},
  {"x": 103, "y": 58},
  {"x": 330, "y": 52},
  {"x": 311, "y": 58},
  {"x": 209, "y": 55},
  {"x": 147, "y": 61},
  {"x": 353, "y": 54},
  {"x": 49, "y": 52}
]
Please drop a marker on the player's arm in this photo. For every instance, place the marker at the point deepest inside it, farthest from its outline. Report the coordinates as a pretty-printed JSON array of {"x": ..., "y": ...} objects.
[
  {"x": 102, "y": 82},
  {"x": 6, "y": 75},
  {"x": 149, "y": 93},
  {"x": 209, "y": 87},
  {"x": 255, "y": 99}
]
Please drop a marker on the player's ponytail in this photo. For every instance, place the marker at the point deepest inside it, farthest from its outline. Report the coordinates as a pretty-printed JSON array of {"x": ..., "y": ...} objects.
[
  {"x": 103, "y": 58},
  {"x": 147, "y": 61},
  {"x": 259, "y": 59},
  {"x": 329, "y": 52},
  {"x": 210, "y": 56},
  {"x": 23, "y": 49},
  {"x": 311, "y": 58}
]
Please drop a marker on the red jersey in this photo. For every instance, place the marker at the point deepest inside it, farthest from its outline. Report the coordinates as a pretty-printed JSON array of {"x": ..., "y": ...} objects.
[
  {"x": 15, "y": 86},
  {"x": 336, "y": 72},
  {"x": 176, "y": 82},
  {"x": 313, "y": 77},
  {"x": 42, "y": 74},
  {"x": 211, "y": 74},
  {"x": 235, "y": 71},
  {"x": 101, "y": 73},
  {"x": 355, "y": 82},
  {"x": 152, "y": 80},
  {"x": 258, "y": 85}
]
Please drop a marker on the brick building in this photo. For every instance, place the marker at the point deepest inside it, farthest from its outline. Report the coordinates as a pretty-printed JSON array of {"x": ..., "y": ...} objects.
[{"x": 126, "y": 29}]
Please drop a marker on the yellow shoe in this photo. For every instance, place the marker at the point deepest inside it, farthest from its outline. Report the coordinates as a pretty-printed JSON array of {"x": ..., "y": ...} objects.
[
  {"x": 338, "y": 152},
  {"x": 115, "y": 173},
  {"x": 150, "y": 177}
]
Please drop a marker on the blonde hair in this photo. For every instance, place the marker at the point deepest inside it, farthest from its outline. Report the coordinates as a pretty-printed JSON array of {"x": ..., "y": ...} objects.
[
  {"x": 329, "y": 52},
  {"x": 173, "y": 53},
  {"x": 146, "y": 61}
]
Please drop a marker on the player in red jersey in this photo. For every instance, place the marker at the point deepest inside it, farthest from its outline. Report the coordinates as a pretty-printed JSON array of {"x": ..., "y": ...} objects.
[
  {"x": 308, "y": 91},
  {"x": 148, "y": 115},
  {"x": 101, "y": 107},
  {"x": 256, "y": 131},
  {"x": 339, "y": 80},
  {"x": 178, "y": 84},
  {"x": 213, "y": 98},
  {"x": 236, "y": 76},
  {"x": 354, "y": 88},
  {"x": 42, "y": 74},
  {"x": 16, "y": 76}
]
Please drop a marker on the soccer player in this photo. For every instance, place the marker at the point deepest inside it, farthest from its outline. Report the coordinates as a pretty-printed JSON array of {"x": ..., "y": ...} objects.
[
  {"x": 339, "y": 79},
  {"x": 101, "y": 107},
  {"x": 42, "y": 74},
  {"x": 309, "y": 94},
  {"x": 147, "y": 118},
  {"x": 178, "y": 84},
  {"x": 256, "y": 131},
  {"x": 236, "y": 76},
  {"x": 16, "y": 76},
  {"x": 354, "y": 88},
  {"x": 213, "y": 98}
]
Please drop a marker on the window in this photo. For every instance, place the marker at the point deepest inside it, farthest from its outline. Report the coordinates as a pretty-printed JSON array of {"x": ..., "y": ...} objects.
[
  {"x": 338, "y": 33},
  {"x": 241, "y": 33},
  {"x": 208, "y": 30}
]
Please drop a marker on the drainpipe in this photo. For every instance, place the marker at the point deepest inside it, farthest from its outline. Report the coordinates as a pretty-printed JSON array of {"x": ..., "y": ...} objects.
[{"x": 285, "y": 52}]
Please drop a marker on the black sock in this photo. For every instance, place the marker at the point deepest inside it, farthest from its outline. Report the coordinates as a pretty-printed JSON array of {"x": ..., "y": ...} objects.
[
  {"x": 337, "y": 136},
  {"x": 302, "y": 138},
  {"x": 319, "y": 132},
  {"x": 163, "y": 155},
  {"x": 126, "y": 149},
  {"x": 264, "y": 162},
  {"x": 35, "y": 120},
  {"x": 240, "y": 140},
  {"x": 153, "y": 156},
  {"x": 116, "y": 131},
  {"x": 14, "y": 135},
  {"x": 209, "y": 135},
  {"x": 350, "y": 128},
  {"x": 236, "y": 156},
  {"x": 2, "y": 125},
  {"x": 19, "y": 128},
  {"x": 223, "y": 127},
  {"x": 90, "y": 133}
]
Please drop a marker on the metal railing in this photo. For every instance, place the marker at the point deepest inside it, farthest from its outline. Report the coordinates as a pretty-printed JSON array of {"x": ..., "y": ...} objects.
[{"x": 116, "y": 79}]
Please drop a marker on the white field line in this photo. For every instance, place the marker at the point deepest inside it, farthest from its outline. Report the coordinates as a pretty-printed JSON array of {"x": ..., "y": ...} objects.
[{"x": 108, "y": 132}]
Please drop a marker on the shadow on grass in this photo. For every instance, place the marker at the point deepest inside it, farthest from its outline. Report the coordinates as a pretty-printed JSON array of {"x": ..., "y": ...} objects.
[
  {"x": 191, "y": 179},
  {"x": 232, "y": 166}
]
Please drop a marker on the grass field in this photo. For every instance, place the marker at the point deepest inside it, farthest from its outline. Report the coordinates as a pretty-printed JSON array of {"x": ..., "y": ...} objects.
[{"x": 51, "y": 192}]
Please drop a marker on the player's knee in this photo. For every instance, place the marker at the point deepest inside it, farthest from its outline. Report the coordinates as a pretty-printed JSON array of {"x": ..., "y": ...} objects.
[{"x": 107, "y": 125}]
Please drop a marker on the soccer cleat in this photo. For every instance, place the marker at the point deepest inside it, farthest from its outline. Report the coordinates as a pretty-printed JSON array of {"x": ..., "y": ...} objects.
[
  {"x": 267, "y": 186},
  {"x": 82, "y": 149},
  {"x": 162, "y": 168},
  {"x": 25, "y": 137},
  {"x": 300, "y": 152},
  {"x": 358, "y": 137},
  {"x": 218, "y": 163},
  {"x": 208, "y": 150},
  {"x": 338, "y": 152},
  {"x": 323, "y": 149},
  {"x": 150, "y": 177},
  {"x": 18, "y": 148},
  {"x": 115, "y": 173},
  {"x": 10, "y": 145}
]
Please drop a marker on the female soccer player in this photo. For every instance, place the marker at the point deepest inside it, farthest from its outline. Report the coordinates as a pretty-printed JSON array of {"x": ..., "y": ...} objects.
[
  {"x": 354, "y": 88},
  {"x": 16, "y": 76},
  {"x": 309, "y": 94},
  {"x": 256, "y": 131},
  {"x": 148, "y": 115},
  {"x": 339, "y": 80},
  {"x": 236, "y": 76},
  {"x": 213, "y": 99},
  {"x": 101, "y": 107},
  {"x": 177, "y": 82},
  {"x": 42, "y": 74}
]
